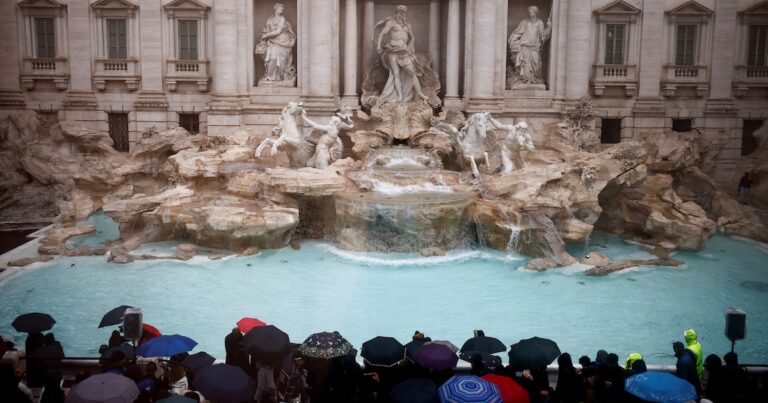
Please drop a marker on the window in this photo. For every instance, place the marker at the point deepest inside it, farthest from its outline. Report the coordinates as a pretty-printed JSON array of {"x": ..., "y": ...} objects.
[
  {"x": 685, "y": 50},
  {"x": 748, "y": 141},
  {"x": 614, "y": 43},
  {"x": 610, "y": 132},
  {"x": 118, "y": 130},
  {"x": 187, "y": 39},
  {"x": 682, "y": 125},
  {"x": 190, "y": 122},
  {"x": 758, "y": 44},
  {"x": 45, "y": 38},
  {"x": 117, "y": 41}
]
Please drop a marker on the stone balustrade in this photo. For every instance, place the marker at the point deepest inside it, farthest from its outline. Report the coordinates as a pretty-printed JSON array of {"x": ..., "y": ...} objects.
[
  {"x": 122, "y": 70},
  {"x": 676, "y": 76},
  {"x": 56, "y": 70},
  {"x": 194, "y": 71},
  {"x": 614, "y": 75}
]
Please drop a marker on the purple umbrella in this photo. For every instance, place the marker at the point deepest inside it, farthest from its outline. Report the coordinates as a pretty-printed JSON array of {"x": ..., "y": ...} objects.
[
  {"x": 104, "y": 388},
  {"x": 436, "y": 356}
]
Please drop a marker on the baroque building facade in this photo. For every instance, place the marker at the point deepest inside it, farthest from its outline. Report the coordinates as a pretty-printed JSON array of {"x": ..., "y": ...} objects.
[{"x": 649, "y": 65}]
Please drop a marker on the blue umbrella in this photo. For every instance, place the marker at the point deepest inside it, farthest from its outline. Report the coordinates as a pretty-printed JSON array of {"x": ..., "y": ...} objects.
[
  {"x": 166, "y": 346},
  {"x": 469, "y": 389},
  {"x": 661, "y": 387}
]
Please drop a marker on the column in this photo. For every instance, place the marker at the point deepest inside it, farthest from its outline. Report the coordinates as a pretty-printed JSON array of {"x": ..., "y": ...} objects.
[
  {"x": 151, "y": 105},
  {"x": 225, "y": 41},
  {"x": 482, "y": 96},
  {"x": 80, "y": 58},
  {"x": 651, "y": 52},
  {"x": 350, "y": 53},
  {"x": 321, "y": 90},
  {"x": 434, "y": 34},
  {"x": 578, "y": 57},
  {"x": 452, "y": 54},
  {"x": 723, "y": 49},
  {"x": 368, "y": 46},
  {"x": 10, "y": 92}
]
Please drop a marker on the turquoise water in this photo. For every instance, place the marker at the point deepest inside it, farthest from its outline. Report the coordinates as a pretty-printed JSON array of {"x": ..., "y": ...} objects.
[
  {"x": 362, "y": 295},
  {"x": 106, "y": 230}
]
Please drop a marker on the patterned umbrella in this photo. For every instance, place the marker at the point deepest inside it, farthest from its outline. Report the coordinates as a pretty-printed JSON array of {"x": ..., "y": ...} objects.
[
  {"x": 660, "y": 387},
  {"x": 325, "y": 345},
  {"x": 104, "y": 388},
  {"x": 33, "y": 322},
  {"x": 469, "y": 389},
  {"x": 383, "y": 351},
  {"x": 436, "y": 356},
  {"x": 535, "y": 352}
]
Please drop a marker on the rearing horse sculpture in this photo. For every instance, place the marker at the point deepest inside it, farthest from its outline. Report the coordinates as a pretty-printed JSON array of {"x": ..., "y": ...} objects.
[
  {"x": 475, "y": 139},
  {"x": 288, "y": 137}
]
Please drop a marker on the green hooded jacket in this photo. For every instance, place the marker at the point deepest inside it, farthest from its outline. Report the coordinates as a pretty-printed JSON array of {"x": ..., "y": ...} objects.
[{"x": 691, "y": 339}]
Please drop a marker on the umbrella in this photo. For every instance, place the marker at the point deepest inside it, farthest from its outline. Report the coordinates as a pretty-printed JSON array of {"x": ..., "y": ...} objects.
[
  {"x": 535, "y": 352},
  {"x": 33, "y": 322},
  {"x": 246, "y": 324},
  {"x": 177, "y": 399},
  {"x": 511, "y": 391},
  {"x": 488, "y": 360},
  {"x": 267, "y": 344},
  {"x": 412, "y": 346},
  {"x": 166, "y": 346},
  {"x": 127, "y": 349},
  {"x": 197, "y": 361},
  {"x": 151, "y": 330},
  {"x": 445, "y": 343},
  {"x": 325, "y": 345},
  {"x": 104, "y": 388},
  {"x": 383, "y": 351},
  {"x": 224, "y": 383},
  {"x": 484, "y": 344},
  {"x": 415, "y": 390},
  {"x": 114, "y": 317},
  {"x": 468, "y": 389},
  {"x": 660, "y": 387},
  {"x": 436, "y": 356}
]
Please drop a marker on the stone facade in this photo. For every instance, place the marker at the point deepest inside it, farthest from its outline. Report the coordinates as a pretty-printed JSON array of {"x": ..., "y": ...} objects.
[{"x": 646, "y": 63}]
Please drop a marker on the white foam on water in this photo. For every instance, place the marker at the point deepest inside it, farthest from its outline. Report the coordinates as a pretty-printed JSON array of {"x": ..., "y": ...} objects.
[
  {"x": 381, "y": 259},
  {"x": 393, "y": 189},
  {"x": 403, "y": 161}
]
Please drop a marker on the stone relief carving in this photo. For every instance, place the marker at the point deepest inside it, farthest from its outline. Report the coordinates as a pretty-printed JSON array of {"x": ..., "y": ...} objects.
[
  {"x": 275, "y": 46},
  {"x": 525, "y": 44},
  {"x": 400, "y": 74}
]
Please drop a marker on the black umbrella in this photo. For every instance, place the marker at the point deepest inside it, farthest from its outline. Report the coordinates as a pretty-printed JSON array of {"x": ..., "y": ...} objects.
[
  {"x": 489, "y": 361},
  {"x": 198, "y": 361},
  {"x": 325, "y": 345},
  {"x": 412, "y": 346},
  {"x": 114, "y": 317},
  {"x": 383, "y": 351},
  {"x": 33, "y": 322},
  {"x": 224, "y": 383},
  {"x": 267, "y": 344},
  {"x": 415, "y": 390},
  {"x": 535, "y": 352},
  {"x": 484, "y": 344}
]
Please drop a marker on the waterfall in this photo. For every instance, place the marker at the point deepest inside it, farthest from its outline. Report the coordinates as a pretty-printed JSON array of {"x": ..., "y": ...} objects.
[
  {"x": 514, "y": 239},
  {"x": 586, "y": 245}
]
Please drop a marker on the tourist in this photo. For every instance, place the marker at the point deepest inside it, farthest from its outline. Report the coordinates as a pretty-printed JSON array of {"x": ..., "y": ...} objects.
[
  {"x": 52, "y": 392},
  {"x": 292, "y": 382},
  {"x": 610, "y": 383},
  {"x": 745, "y": 184},
  {"x": 737, "y": 386},
  {"x": 235, "y": 355},
  {"x": 345, "y": 377},
  {"x": 600, "y": 358},
  {"x": 265, "y": 379},
  {"x": 116, "y": 339},
  {"x": 686, "y": 365},
  {"x": 570, "y": 386},
  {"x": 631, "y": 359},
  {"x": 714, "y": 387},
  {"x": 178, "y": 379},
  {"x": 149, "y": 381},
  {"x": 692, "y": 343},
  {"x": 536, "y": 382},
  {"x": 10, "y": 386}
]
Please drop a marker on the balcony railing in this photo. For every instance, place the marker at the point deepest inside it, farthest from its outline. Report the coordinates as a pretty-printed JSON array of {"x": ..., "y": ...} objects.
[
  {"x": 685, "y": 73},
  {"x": 45, "y": 69},
  {"x": 195, "y": 71},
  {"x": 752, "y": 74},
  {"x": 614, "y": 75},
  {"x": 125, "y": 70}
]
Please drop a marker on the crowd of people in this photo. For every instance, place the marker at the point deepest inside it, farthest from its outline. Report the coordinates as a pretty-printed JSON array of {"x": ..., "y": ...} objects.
[{"x": 300, "y": 378}]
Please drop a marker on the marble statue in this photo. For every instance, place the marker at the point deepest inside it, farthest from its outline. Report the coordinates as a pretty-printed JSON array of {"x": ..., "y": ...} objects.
[
  {"x": 400, "y": 74},
  {"x": 475, "y": 139},
  {"x": 276, "y": 47},
  {"x": 328, "y": 144},
  {"x": 525, "y": 49},
  {"x": 512, "y": 144},
  {"x": 287, "y": 137}
]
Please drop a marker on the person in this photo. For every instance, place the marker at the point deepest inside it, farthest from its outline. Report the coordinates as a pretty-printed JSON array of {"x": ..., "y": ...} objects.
[
  {"x": 692, "y": 343},
  {"x": 276, "y": 45},
  {"x": 570, "y": 386},
  {"x": 396, "y": 47},
  {"x": 631, "y": 359},
  {"x": 52, "y": 392},
  {"x": 714, "y": 388},
  {"x": 745, "y": 184},
  {"x": 235, "y": 355},
  {"x": 10, "y": 384},
  {"x": 292, "y": 382},
  {"x": 265, "y": 382},
  {"x": 686, "y": 365},
  {"x": 149, "y": 382},
  {"x": 327, "y": 142},
  {"x": 525, "y": 48},
  {"x": 178, "y": 379},
  {"x": 116, "y": 339},
  {"x": 737, "y": 387}
]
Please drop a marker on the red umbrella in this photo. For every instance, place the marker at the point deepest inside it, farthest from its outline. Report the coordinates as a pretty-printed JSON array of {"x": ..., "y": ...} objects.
[
  {"x": 511, "y": 391},
  {"x": 246, "y": 324},
  {"x": 151, "y": 330}
]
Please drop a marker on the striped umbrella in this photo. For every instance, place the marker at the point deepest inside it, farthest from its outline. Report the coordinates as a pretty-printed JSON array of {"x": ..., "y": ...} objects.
[{"x": 469, "y": 389}]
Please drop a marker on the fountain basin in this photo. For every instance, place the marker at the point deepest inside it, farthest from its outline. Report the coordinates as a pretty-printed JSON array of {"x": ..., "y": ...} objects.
[{"x": 408, "y": 222}]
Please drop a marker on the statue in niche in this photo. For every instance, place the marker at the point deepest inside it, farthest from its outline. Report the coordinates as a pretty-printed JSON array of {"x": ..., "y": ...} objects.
[
  {"x": 276, "y": 47},
  {"x": 400, "y": 74},
  {"x": 525, "y": 49}
]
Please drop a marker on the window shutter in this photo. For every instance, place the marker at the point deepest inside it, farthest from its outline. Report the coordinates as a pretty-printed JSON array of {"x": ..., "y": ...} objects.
[
  {"x": 45, "y": 37},
  {"x": 193, "y": 40}
]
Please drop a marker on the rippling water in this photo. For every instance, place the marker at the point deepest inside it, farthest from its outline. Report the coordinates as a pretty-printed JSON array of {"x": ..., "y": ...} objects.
[{"x": 362, "y": 295}]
